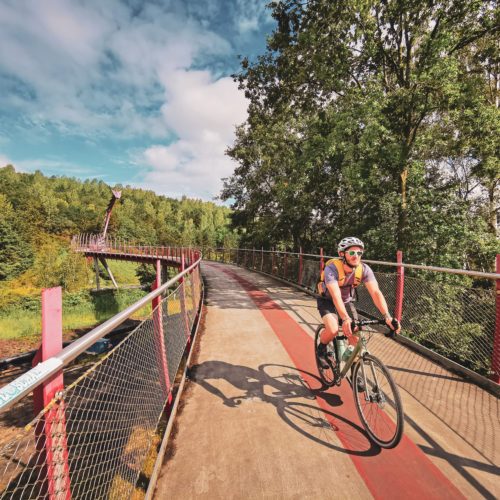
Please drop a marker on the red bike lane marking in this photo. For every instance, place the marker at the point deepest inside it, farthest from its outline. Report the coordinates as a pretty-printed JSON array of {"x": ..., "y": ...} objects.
[{"x": 404, "y": 470}]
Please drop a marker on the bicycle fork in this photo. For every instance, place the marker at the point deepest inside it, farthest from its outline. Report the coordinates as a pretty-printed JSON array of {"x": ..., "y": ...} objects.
[{"x": 373, "y": 394}]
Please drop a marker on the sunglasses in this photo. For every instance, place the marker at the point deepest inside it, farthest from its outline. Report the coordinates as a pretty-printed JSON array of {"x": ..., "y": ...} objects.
[{"x": 355, "y": 252}]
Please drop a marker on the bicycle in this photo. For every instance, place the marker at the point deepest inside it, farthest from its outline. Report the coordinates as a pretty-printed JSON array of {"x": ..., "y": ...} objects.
[{"x": 375, "y": 393}]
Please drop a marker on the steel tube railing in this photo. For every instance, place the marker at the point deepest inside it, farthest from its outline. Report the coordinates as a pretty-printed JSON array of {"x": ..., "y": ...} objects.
[
  {"x": 477, "y": 274},
  {"x": 26, "y": 383},
  {"x": 457, "y": 321}
]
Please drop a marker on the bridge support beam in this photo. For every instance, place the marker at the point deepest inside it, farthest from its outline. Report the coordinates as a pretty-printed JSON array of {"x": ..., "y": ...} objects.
[
  {"x": 108, "y": 270},
  {"x": 96, "y": 270}
]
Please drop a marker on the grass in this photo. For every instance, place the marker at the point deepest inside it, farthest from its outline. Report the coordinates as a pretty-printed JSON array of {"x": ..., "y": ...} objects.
[
  {"x": 20, "y": 311},
  {"x": 80, "y": 310}
]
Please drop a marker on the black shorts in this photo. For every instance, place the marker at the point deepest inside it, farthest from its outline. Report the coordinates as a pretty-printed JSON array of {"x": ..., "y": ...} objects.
[{"x": 325, "y": 306}]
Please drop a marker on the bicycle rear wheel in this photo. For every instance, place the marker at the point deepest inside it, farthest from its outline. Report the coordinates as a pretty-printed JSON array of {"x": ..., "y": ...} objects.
[
  {"x": 378, "y": 402},
  {"x": 327, "y": 374}
]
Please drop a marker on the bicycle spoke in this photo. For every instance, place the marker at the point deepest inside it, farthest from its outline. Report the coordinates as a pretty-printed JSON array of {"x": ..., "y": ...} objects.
[{"x": 379, "y": 404}]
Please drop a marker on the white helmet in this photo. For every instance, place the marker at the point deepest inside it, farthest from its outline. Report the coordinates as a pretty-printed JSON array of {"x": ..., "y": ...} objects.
[{"x": 349, "y": 242}]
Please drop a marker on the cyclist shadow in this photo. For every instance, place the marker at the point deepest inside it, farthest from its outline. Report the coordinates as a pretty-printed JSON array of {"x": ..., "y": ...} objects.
[{"x": 281, "y": 390}]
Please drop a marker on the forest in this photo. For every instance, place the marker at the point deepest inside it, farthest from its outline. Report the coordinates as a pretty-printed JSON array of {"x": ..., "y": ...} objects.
[
  {"x": 374, "y": 119},
  {"x": 38, "y": 217}
]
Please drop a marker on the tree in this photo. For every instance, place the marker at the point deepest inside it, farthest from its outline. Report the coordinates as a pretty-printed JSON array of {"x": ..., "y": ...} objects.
[
  {"x": 343, "y": 110},
  {"x": 15, "y": 253}
]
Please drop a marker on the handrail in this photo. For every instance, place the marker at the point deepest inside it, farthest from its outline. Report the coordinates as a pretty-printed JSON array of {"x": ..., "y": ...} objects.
[
  {"x": 478, "y": 274},
  {"x": 26, "y": 383}
]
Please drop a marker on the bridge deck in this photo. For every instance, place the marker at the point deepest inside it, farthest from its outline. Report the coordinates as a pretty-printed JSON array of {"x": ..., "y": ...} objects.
[{"x": 254, "y": 424}]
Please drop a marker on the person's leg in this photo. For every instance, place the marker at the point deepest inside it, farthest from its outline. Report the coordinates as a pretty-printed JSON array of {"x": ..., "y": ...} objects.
[{"x": 331, "y": 323}]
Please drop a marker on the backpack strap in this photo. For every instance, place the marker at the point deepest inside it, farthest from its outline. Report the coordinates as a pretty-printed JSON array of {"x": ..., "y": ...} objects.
[
  {"x": 340, "y": 270},
  {"x": 358, "y": 275}
]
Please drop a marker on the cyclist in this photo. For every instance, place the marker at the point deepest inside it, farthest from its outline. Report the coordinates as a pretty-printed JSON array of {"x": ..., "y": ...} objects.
[{"x": 337, "y": 292}]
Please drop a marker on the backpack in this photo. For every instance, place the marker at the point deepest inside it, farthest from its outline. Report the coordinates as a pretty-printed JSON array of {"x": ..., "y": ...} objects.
[{"x": 358, "y": 274}]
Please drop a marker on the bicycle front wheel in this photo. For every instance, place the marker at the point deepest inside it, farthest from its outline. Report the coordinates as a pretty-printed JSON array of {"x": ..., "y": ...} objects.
[{"x": 378, "y": 402}]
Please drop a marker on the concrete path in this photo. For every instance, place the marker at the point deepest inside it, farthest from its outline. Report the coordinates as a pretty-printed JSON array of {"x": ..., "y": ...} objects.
[{"x": 255, "y": 423}]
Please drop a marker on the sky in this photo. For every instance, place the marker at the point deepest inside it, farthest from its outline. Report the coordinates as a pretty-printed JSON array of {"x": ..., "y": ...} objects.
[{"x": 126, "y": 91}]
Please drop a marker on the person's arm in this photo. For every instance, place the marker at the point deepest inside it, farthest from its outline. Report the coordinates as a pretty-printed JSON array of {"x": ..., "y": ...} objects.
[
  {"x": 336, "y": 296},
  {"x": 380, "y": 303}
]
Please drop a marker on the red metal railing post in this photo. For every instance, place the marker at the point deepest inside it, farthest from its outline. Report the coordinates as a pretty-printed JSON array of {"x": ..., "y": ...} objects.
[
  {"x": 300, "y": 266},
  {"x": 51, "y": 428},
  {"x": 321, "y": 260},
  {"x": 495, "y": 358},
  {"x": 183, "y": 301},
  {"x": 272, "y": 261},
  {"x": 400, "y": 281},
  {"x": 285, "y": 264},
  {"x": 253, "y": 258},
  {"x": 262, "y": 258},
  {"x": 158, "y": 330}
]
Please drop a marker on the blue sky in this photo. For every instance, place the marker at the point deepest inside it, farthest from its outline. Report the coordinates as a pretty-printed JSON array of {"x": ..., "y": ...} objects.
[{"x": 127, "y": 91}]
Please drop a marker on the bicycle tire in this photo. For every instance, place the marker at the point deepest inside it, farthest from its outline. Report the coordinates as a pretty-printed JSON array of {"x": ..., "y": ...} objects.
[
  {"x": 327, "y": 375},
  {"x": 382, "y": 414}
]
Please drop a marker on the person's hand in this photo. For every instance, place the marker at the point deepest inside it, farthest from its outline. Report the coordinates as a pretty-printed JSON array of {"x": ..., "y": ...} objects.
[
  {"x": 393, "y": 324},
  {"x": 346, "y": 327}
]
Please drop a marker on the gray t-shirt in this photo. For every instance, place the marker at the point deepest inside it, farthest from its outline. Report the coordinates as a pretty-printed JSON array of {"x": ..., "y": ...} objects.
[{"x": 332, "y": 275}]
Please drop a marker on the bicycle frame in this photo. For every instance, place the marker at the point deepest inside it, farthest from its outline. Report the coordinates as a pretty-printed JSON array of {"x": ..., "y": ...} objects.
[{"x": 360, "y": 346}]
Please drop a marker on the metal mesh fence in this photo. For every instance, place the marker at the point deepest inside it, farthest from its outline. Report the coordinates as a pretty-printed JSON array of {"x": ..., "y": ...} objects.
[
  {"x": 456, "y": 321},
  {"x": 93, "y": 439}
]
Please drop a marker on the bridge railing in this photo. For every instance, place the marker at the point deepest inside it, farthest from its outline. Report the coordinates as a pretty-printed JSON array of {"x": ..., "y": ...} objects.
[
  {"x": 97, "y": 243},
  {"x": 458, "y": 321},
  {"x": 95, "y": 436}
]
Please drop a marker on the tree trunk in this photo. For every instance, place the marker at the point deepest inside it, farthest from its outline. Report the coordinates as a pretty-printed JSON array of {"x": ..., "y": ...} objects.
[
  {"x": 492, "y": 209},
  {"x": 402, "y": 229}
]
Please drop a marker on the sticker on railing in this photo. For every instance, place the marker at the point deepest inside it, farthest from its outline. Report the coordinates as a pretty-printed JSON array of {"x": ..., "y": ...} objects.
[{"x": 28, "y": 380}]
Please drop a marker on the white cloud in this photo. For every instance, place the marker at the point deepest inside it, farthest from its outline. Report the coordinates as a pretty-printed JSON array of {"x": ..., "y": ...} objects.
[
  {"x": 203, "y": 113},
  {"x": 54, "y": 167},
  {"x": 250, "y": 15},
  {"x": 93, "y": 65},
  {"x": 4, "y": 161},
  {"x": 95, "y": 69}
]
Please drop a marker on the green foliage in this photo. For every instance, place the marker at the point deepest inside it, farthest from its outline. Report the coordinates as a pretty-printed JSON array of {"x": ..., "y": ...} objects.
[
  {"x": 15, "y": 252},
  {"x": 80, "y": 309},
  {"x": 38, "y": 215},
  {"x": 455, "y": 321},
  {"x": 146, "y": 274},
  {"x": 374, "y": 119}
]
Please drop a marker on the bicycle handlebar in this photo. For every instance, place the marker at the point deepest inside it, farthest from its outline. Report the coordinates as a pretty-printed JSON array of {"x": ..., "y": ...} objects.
[{"x": 363, "y": 322}]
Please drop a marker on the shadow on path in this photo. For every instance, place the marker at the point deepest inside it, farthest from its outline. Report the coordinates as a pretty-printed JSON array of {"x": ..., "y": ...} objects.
[{"x": 307, "y": 419}]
